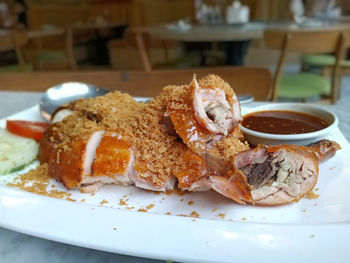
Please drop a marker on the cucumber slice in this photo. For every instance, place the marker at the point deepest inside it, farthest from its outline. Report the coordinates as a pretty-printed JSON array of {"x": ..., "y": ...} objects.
[{"x": 15, "y": 152}]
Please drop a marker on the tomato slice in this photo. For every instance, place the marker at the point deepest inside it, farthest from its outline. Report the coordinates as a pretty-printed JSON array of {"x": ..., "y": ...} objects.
[{"x": 28, "y": 129}]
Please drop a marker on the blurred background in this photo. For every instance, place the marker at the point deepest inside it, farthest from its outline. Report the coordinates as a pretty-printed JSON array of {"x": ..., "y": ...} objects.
[{"x": 145, "y": 35}]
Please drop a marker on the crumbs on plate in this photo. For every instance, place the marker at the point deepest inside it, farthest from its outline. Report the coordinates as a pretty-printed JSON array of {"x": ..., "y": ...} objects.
[
  {"x": 193, "y": 214},
  {"x": 150, "y": 206},
  {"x": 104, "y": 201},
  {"x": 222, "y": 216},
  {"x": 312, "y": 195},
  {"x": 37, "y": 181},
  {"x": 122, "y": 202}
]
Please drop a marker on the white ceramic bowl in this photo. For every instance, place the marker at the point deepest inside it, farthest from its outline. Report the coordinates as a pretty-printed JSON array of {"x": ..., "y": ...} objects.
[{"x": 256, "y": 138}]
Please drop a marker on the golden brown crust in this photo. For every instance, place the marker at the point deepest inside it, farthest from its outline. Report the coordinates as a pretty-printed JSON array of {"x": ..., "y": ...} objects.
[
  {"x": 231, "y": 145},
  {"x": 158, "y": 155},
  {"x": 63, "y": 165},
  {"x": 194, "y": 168},
  {"x": 112, "y": 156},
  {"x": 178, "y": 100},
  {"x": 324, "y": 149}
]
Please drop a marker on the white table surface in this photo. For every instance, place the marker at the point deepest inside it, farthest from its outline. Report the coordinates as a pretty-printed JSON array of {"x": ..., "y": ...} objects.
[{"x": 17, "y": 248}]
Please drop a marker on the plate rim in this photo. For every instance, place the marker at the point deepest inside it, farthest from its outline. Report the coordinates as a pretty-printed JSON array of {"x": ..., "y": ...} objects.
[{"x": 258, "y": 237}]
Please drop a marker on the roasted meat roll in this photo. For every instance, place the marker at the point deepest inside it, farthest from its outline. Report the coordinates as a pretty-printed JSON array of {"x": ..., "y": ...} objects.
[
  {"x": 205, "y": 115},
  {"x": 266, "y": 176},
  {"x": 187, "y": 138},
  {"x": 282, "y": 174}
]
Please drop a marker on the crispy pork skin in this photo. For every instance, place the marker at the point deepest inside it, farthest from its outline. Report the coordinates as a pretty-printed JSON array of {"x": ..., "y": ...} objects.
[
  {"x": 198, "y": 176},
  {"x": 113, "y": 163},
  {"x": 105, "y": 158},
  {"x": 324, "y": 149},
  {"x": 71, "y": 163}
]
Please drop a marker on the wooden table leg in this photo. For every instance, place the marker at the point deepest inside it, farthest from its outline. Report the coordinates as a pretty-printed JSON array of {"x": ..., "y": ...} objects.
[
  {"x": 142, "y": 49},
  {"x": 166, "y": 51}
]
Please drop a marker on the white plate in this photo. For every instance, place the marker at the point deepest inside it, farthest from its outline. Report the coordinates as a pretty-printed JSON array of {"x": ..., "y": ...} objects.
[{"x": 316, "y": 230}]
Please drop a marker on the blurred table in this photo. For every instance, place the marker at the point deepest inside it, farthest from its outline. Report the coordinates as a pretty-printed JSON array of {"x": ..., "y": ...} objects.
[
  {"x": 103, "y": 32},
  {"x": 37, "y": 32},
  {"x": 16, "y": 247},
  {"x": 204, "y": 33},
  {"x": 99, "y": 33},
  {"x": 98, "y": 25},
  {"x": 237, "y": 35},
  {"x": 53, "y": 30},
  {"x": 96, "y": 33}
]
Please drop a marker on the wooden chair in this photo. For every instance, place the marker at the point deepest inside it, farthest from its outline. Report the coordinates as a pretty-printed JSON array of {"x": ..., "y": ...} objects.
[
  {"x": 60, "y": 15},
  {"x": 14, "y": 41},
  {"x": 46, "y": 57},
  {"x": 253, "y": 81},
  {"x": 304, "y": 85},
  {"x": 325, "y": 62},
  {"x": 152, "y": 12}
]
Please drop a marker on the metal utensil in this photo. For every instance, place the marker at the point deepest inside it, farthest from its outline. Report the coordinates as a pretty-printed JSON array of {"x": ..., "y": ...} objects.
[
  {"x": 245, "y": 99},
  {"x": 66, "y": 92}
]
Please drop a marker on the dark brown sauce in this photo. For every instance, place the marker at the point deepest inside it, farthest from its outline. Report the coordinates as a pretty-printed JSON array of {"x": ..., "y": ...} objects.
[{"x": 283, "y": 122}]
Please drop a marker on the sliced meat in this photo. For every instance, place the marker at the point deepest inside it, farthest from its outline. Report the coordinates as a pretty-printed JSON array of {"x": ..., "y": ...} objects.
[
  {"x": 213, "y": 111},
  {"x": 282, "y": 174},
  {"x": 217, "y": 164},
  {"x": 112, "y": 163},
  {"x": 61, "y": 115},
  {"x": 266, "y": 176},
  {"x": 204, "y": 113},
  {"x": 234, "y": 187},
  {"x": 193, "y": 170},
  {"x": 146, "y": 179},
  {"x": 67, "y": 109},
  {"x": 260, "y": 173},
  {"x": 142, "y": 180},
  {"x": 69, "y": 164},
  {"x": 296, "y": 176},
  {"x": 197, "y": 176},
  {"x": 106, "y": 158},
  {"x": 64, "y": 111}
]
